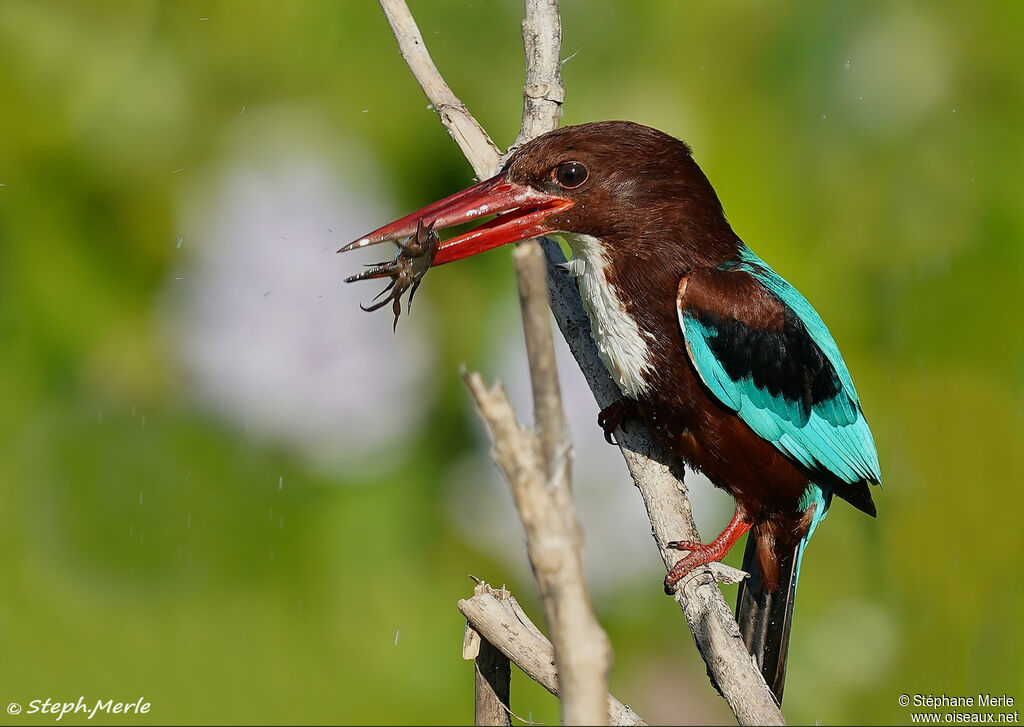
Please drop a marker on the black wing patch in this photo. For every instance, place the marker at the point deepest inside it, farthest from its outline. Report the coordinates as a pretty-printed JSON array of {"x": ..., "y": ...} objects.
[{"x": 785, "y": 363}]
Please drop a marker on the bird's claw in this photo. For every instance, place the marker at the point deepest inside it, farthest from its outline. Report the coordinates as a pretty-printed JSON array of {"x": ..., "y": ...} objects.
[
  {"x": 412, "y": 261},
  {"x": 612, "y": 415}
]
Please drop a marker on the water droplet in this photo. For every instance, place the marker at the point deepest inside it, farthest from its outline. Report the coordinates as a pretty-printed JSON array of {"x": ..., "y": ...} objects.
[
  {"x": 824, "y": 116},
  {"x": 140, "y": 498},
  {"x": 243, "y": 111},
  {"x": 398, "y": 632},
  {"x": 177, "y": 243},
  {"x": 954, "y": 111},
  {"x": 188, "y": 521},
  {"x": 280, "y": 482},
  {"x": 847, "y": 63},
  {"x": 178, "y": 170}
]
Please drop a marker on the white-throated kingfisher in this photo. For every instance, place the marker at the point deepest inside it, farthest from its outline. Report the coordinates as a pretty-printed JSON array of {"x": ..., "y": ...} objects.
[{"x": 728, "y": 364}]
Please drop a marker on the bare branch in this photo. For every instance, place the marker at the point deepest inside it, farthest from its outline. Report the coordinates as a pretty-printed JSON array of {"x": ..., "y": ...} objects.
[
  {"x": 543, "y": 93},
  {"x": 554, "y": 540},
  {"x": 552, "y": 427},
  {"x": 554, "y": 545},
  {"x": 503, "y": 623},
  {"x": 658, "y": 478},
  {"x": 492, "y": 673},
  {"x": 482, "y": 153}
]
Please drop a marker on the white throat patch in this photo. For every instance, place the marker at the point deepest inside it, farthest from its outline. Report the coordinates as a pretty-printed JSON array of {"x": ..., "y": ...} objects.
[{"x": 620, "y": 343}]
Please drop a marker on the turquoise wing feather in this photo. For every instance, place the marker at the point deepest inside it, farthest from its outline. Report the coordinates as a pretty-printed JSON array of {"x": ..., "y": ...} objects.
[{"x": 767, "y": 355}]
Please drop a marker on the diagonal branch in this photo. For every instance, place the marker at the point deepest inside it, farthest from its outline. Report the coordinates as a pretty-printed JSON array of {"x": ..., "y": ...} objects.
[
  {"x": 476, "y": 145},
  {"x": 658, "y": 478},
  {"x": 660, "y": 481}
]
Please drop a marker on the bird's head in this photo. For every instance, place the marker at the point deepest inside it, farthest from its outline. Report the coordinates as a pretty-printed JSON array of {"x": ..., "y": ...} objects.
[{"x": 616, "y": 181}]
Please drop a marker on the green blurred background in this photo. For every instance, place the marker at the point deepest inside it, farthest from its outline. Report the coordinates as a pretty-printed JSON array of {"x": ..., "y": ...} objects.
[{"x": 225, "y": 489}]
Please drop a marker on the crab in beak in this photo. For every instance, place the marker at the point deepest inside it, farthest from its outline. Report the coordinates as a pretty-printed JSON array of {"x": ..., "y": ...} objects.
[{"x": 521, "y": 212}]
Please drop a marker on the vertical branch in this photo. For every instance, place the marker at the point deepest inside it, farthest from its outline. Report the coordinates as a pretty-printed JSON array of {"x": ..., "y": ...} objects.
[
  {"x": 554, "y": 540},
  {"x": 552, "y": 427},
  {"x": 543, "y": 92},
  {"x": 492, "y": 682},
  {"x": 538, "y": 466},
  {"x": 492, "y": 672}
]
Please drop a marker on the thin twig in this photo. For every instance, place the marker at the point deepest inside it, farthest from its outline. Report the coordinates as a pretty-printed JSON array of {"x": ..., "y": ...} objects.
[
  {"x": 482, "y": 153},
  {"x": 501, "y": 621}
]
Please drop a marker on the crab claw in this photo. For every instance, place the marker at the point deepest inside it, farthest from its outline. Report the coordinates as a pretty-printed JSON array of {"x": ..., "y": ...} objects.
[
  {"x": 376, "y": 306},
  {"x": 376, "y": 270},
  {"x": 412, "y": 261}
]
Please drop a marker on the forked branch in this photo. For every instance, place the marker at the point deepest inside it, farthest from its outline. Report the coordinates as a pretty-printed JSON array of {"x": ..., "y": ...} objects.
[
  {"x": 498, "y": 618},
  {"x": 659, "y": 479}
]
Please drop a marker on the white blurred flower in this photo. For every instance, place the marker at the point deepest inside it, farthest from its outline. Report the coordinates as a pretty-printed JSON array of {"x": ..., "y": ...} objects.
[{"x": 269, "y": 333}]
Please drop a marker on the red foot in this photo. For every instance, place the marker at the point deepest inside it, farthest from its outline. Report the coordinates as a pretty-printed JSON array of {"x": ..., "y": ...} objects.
[
  {"x": 704, "y": 554},
  {"x": 613, "y": 414}
]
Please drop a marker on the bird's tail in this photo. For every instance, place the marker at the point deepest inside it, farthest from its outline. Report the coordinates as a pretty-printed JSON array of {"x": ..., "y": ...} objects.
[{"x": 765, "y": 617}]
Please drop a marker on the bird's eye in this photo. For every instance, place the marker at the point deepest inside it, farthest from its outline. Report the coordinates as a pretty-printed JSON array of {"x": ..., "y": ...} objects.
[{"x": 570, "y": 175}]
